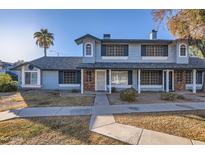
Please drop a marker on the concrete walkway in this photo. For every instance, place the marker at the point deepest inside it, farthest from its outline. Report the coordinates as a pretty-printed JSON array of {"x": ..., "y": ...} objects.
[
  {"x": 103, "y": 122},
  {"x": 45, "y": 111}
]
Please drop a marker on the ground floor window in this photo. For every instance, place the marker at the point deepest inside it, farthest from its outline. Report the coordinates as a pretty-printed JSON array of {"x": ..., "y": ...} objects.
[
  {"x": 189, "y": 77},
  {"x": 89, "y": 76},
  {"x": 119, "y": 77},
  {"x": 69, "y": 77},
  {"x": 151, "y": 77},
  {"x": 179, "y": 76},
  {"x": 31, "y": 78}
]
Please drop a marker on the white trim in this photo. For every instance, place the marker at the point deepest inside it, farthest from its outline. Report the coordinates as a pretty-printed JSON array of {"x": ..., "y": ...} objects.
[
  {"x": 167, "y": 80},
  {"x": 81, "y": 82},
  {"x": 194, "y": 81},
  {"x": 120, "y": 86},
  {"x": 91, "y": 49},
  {"x": 96, "y": 79},
  {"x": 30, "y": 86},
  {"x": 110, "y": 80},
  {"x": 152, "y": 86},
  {"x": 115, "y": 57},
  {"x": 69, "y": 85},
  {"x": 180, "y": 50},
  {"x": 154, "y": 57},
  {"x": 139, "y": 81}
]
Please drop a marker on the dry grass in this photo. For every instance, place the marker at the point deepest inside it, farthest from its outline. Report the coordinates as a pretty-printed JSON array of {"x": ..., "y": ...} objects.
[
  {"x": 39, "y": 98},
  {"x": 151, "y": 97},
  {"x": 185, "y": 124},
  {"x": 51, "y": 130}
]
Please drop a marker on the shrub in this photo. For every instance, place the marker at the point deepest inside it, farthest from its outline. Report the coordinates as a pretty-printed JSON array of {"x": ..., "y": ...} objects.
[
  {"x": 9, "y": 87},
  {"x": 6, "y": 83},
  {"x": 168, "y": 96},
  {"x": 180, "y": 97},
  {"x": 75, "y": 90},
  {"x": 113, "y": 90},
  {"x": 5, "y": 78},
  {"x": 129, "y": 95}
]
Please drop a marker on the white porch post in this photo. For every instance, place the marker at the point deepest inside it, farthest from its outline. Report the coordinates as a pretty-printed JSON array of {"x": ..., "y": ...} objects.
[
  {"x": 110, "y": 80},
  {"x": 167, "y": 80},
  {"x": 194, "y": 81},
  {"x": 81, "y": 87},
  {"x": 138, "y": 85}
]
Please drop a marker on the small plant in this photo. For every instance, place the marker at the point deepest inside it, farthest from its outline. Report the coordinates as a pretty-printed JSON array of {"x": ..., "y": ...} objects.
[
  {"x": 168, "y": 96},
  {"x": 128, "y": 95},
  {"x": 113, "y": 90},
  {"x": 180, "y": 97},
  {"x": 75, "y": 91}
]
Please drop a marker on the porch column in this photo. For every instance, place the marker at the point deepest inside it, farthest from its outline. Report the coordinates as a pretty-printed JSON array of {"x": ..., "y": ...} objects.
[
  {"x": 167, "y": 80},
  {"x": 139, "y": 84},
  {"x": 110, "y": 80},
  {"x": 81, "y": 87},
  {"x": 194, "y": 81}
]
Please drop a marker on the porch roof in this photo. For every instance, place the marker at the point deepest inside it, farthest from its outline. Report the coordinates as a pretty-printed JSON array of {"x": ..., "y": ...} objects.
[{"x": 194, "y": 63}]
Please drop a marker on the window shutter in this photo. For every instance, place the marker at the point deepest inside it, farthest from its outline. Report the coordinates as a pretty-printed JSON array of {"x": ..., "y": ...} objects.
[
  {"x": 143, "y": 50},
  {"x": 126, "y": 50},
  {"x": 78, "y": 77},
  {"x": 130, "y": 77},
  {"x": 103, "y": 50},
  {"x": 107, "y": 77},
  {"x": 60, "y": 77},
  {"x": 165, "y": 49}
]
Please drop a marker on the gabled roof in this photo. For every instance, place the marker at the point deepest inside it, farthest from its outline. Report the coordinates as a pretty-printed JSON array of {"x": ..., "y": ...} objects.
[
  {"x": 80, "y": 39},
  {"x": 194, "y": 63},
  {"x": 157, "y": 41},
  {"x": 54, "y": 63}
]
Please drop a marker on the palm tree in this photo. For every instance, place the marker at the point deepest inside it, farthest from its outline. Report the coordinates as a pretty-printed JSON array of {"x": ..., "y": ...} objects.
[{"x": 44, "y": 39}]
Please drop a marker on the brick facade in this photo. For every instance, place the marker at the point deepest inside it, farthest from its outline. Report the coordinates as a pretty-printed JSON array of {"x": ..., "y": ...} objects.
[
  {"x": 179, "y": 80},
  {"x": 89, "y": 85}
]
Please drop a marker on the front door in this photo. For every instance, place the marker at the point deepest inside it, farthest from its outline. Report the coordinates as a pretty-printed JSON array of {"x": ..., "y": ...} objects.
[{"x": 100, "y": 80}]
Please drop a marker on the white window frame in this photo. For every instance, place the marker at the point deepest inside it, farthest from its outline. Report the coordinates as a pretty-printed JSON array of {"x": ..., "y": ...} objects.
[
  {"x": 119, "y": 85},
  {"x": 37, "y": 85},
  {"x": 180, "y": 49},
  {"x": 91, "y": 44}
]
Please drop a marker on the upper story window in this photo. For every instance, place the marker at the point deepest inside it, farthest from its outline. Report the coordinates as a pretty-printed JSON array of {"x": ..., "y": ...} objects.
[
  {"x": 154, "y": 50},
  {"x": 114, "y": 50},
  {"x": 182, "y": 50},
  {"x": 88, "y": 49}
]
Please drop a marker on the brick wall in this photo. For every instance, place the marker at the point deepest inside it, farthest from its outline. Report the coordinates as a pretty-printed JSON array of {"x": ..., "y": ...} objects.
[
  {"x": 89, "y": 85},
  {"x": 180, "y": 82}
]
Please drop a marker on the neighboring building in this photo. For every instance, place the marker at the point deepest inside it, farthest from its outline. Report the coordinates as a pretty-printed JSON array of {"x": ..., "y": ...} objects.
[
  {"x": 144, "y": 64},
  {"x": 5, "y": 66}
]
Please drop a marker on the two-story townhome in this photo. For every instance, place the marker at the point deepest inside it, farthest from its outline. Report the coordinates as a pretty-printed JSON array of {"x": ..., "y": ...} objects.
[{"x": 144, "y": 64}]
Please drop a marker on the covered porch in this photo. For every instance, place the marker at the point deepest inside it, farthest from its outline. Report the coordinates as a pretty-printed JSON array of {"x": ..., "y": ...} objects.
[{"x": 167, "y": 80}]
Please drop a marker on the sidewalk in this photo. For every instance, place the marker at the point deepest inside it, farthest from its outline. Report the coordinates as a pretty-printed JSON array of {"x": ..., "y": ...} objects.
[{"x": 105, "y": 124}]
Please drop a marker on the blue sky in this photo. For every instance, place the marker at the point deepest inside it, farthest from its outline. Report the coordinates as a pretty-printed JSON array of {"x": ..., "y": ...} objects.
[{"x": 17, "y": 28}]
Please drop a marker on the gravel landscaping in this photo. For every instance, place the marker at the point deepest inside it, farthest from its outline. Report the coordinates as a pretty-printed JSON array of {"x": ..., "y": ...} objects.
[{"x": 154, "y": 97}]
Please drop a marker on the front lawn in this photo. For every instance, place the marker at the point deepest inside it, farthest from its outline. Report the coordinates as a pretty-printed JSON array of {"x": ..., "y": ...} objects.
[
  {"x": 190, "y": 124},
  {"x": 51, "y": 130},
  {"x": 40, "y": 98}
]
